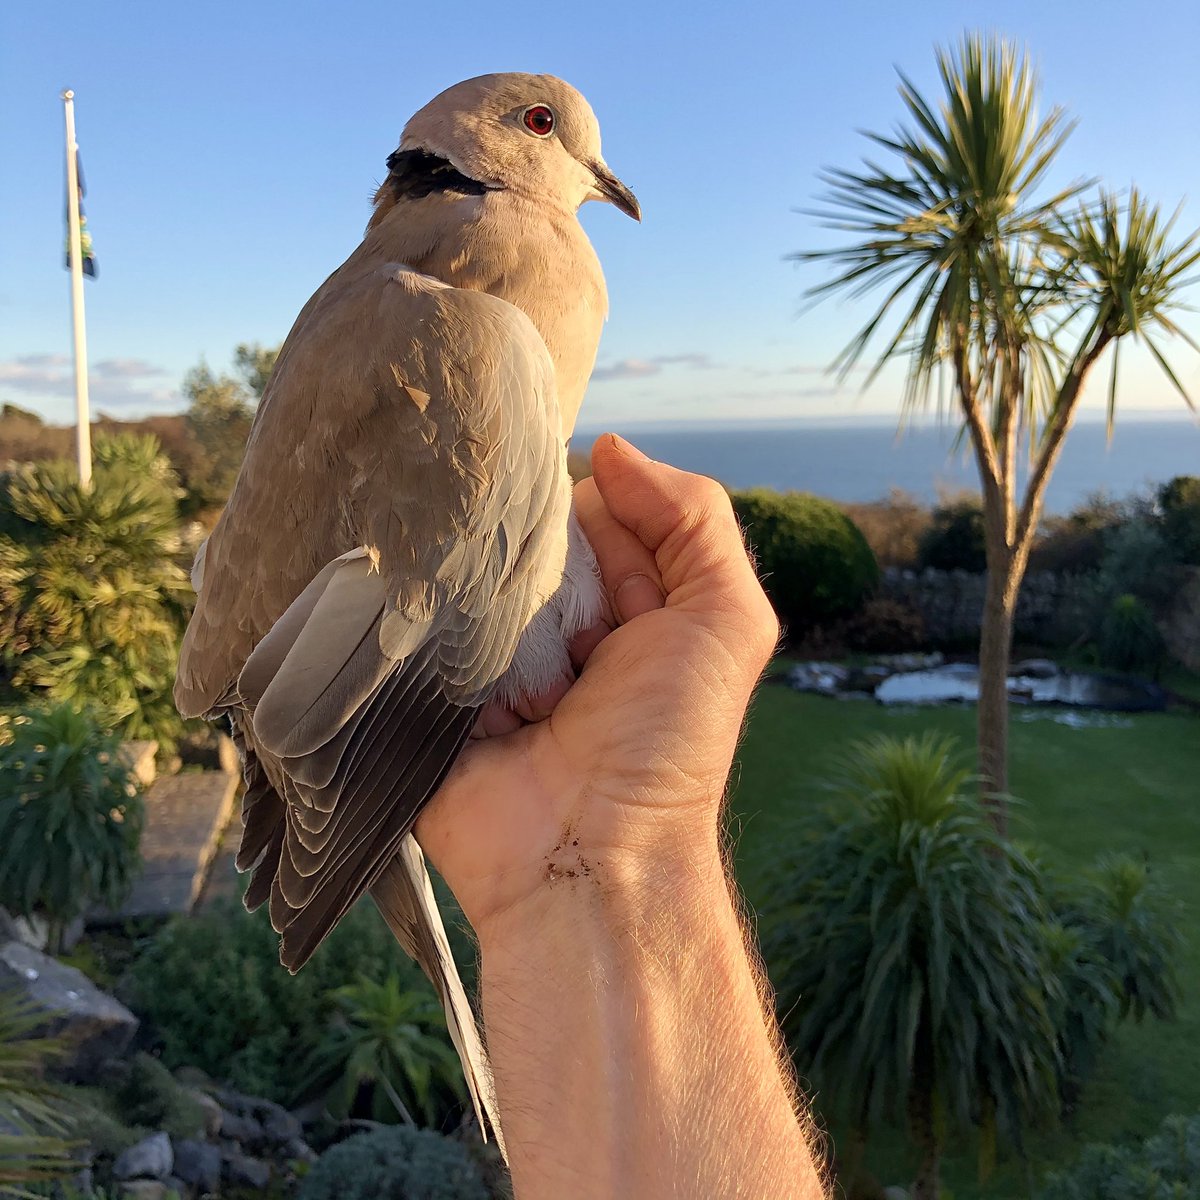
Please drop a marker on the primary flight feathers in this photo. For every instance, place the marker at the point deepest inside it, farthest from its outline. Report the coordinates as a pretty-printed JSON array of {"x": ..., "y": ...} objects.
[{"x": 398, "y": 547}]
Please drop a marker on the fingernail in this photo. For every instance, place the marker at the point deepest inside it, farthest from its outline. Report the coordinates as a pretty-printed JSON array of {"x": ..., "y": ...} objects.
[
  {"x": 627, "y": 448},
  {"x": 637, "y": 594}
]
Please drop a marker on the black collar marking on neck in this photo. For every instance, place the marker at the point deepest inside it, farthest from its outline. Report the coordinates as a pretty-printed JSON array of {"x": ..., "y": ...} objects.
[{"x": 413, "y": 174}]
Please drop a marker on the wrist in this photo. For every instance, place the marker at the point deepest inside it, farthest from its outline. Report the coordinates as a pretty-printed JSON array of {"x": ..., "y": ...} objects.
[{"x": 613, "y": 893}]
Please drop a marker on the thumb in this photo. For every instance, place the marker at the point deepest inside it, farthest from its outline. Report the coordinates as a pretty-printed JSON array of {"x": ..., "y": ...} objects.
[{"x": 686, "y": 521}]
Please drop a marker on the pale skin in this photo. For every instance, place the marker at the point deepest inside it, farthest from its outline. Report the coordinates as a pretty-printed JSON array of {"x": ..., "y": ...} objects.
[{"x": 634, "y": 1052}]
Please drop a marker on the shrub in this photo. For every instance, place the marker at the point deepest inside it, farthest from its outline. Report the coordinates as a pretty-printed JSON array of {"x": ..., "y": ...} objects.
[
  {"x": 1112, "y": 945},
  {"x": 92, "y": 603},
  {"x": 815, "y": 564},
  {"x": 884, "y": 625},
  {"x": 1164, "y": 1167},
  {"x": 1138, "y": 562},
  {"x": 893, "y": 527},
  {"x": 394, "y": 1164},
  {"x": 1135, "y": 929},
  {"x": 1179, "y": 502},
  {"x": 32, "y": 1124},
  {"x": 386, "y": 1052},
  {"x": 955, "y": 538},
  {"x": 905, "y": 941},
  {"x": 1130, "y": 639},
  {"x": 1074, "y": 544},
  {"x": 149, "y": 1095},
  {"x": 70, "y": 818},
  {"x": 214, "y": 996}
]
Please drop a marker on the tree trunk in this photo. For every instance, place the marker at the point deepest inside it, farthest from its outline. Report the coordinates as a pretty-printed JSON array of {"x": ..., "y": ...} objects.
[
  {"x": 995, "y": 652},
  {"x": 927, "y": 1185}
]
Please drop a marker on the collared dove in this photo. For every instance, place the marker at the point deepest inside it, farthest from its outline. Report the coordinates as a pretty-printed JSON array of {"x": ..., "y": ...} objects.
[{"x": 398, "y": 548}]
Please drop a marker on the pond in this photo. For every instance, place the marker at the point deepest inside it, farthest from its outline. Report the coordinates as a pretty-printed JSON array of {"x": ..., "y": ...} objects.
[{"x": 927, "y": 679}]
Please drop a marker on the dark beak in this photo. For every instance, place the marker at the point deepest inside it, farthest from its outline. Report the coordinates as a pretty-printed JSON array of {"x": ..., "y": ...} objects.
[{"x": 615, "y": 192}]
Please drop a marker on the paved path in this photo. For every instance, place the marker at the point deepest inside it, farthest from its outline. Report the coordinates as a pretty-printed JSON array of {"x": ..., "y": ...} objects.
[{"x": 186, "y": 817}]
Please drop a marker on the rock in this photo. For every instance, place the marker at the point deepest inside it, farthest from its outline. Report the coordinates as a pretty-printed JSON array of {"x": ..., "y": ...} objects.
[
  {"x": 241, "y": 1170},
  {"x": 280, "y": 1126},
  {"x": 151, "y": 1158},
  {"x": 245, "y": 1130},
  {"x": 1035, "y": 668},
  {"x": 895, "y": 1192},
  {"x": 143, "y": 1189},
  {"x": 198, "y": 1164},
  {"x": 214, "y": 1116},
  {"x": 299, "y": 1149},
  {"x": 177, "y": 1186},
  {"x": 94, "y": 1026}
]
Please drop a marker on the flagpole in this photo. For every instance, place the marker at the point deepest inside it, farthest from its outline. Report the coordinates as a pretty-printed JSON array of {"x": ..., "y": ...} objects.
[{"x": 83, "y": 429}]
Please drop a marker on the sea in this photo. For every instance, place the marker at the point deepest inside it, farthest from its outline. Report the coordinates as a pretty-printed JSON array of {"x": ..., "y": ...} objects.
[{"x": 866, "y": 459}]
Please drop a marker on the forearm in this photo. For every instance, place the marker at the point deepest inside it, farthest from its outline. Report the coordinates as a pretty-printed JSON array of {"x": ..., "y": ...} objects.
[{"x": 628, "y": 1039}]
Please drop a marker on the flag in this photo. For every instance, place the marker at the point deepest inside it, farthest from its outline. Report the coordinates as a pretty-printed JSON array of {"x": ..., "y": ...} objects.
[{"x": 86, "y": 256}]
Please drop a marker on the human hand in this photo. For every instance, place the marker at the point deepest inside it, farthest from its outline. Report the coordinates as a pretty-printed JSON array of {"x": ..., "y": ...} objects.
[{"x": 624, "y": 779}]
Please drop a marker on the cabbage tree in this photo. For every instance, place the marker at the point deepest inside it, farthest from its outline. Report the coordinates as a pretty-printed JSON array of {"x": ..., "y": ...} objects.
[{"x": 1001, "y": 296}]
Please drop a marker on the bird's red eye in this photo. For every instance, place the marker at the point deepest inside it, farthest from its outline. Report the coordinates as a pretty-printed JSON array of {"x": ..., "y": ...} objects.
[{"x": 539, "y": 119}]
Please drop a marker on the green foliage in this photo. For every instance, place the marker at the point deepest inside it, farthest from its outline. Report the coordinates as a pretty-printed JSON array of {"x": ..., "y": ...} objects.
[
  {"x": 1084, "y": 1006},
  {"x": 94, "y": 1124},
  {"x": 92, "y": 602},
  {"x": 954, "y": 540},
  {"x": 905, "y": 939},
  {"x": 32, "y": 1146},
  {"x": 1179, "y": 502},
  {"x": 1137, "y": 561},
  {"x": 814, "y": 562},
  {"x": 1129, "y": 637},
  {"x": 219, "y": 417},
  {"x": 1134, "y": 928},
  {"x": 70, "y": 817},
  {"x": 149, "y": 1095},
  {"x": 1074, "y": 544},
  {"x": 214, "y": 996},
  {"x": 1164, "y": 1167},
  {"x": 394, "y": 1164},
  {"x": 386, "y": 1051}
]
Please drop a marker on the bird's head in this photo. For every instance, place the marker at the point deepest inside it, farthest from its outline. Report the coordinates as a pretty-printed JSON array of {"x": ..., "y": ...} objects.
[{"x": 531, "y": 134}]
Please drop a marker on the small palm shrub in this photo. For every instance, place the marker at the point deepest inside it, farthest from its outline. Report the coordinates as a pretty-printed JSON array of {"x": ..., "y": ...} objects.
[
  {"x": 33, "y": 1148},
  {"x": 1164, "y": 1167},
  {"x": 1134, "y": 928},
  {"x": 70, "y": 818},
  {"x": 394, "y": 1164},
  {"x": 815, "y": 564},
  {"x": 1129, "y": 637},
  {"x": 1084, "y": 1006},
  {"x": 213, "y": 995},
  {"x": 386, "y": 1054},
  {"x": 92, "y": 600},
  {"x": 905, "y": 942}
]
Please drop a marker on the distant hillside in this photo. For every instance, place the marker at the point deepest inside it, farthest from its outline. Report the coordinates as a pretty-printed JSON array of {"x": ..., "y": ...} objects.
[{"x": 25, "y": 437}]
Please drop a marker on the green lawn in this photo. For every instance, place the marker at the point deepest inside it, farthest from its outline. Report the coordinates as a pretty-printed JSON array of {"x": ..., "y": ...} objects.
[{"x": 1133, "y": 786}]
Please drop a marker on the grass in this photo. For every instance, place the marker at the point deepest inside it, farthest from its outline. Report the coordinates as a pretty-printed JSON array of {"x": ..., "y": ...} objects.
[{"x": 1133, "y": 786}]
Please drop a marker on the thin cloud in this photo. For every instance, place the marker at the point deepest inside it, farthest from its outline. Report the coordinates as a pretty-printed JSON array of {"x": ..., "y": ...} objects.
[
  {"x": 127, "y": 368},
  {"x": 627, "y": 368},
  {"x": 114, "y": 382},
  {"x": 640, "y": 368}
]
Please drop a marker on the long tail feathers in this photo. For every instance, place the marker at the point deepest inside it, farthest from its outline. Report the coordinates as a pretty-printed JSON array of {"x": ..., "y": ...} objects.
[{"x": 404, "y": 895}]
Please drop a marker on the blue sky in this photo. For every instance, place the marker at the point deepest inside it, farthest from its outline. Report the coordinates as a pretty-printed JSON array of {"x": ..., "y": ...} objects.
[{"x": 231, "y": 148}]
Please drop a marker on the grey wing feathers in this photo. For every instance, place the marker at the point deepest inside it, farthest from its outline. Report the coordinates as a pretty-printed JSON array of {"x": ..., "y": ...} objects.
[{"x": 398, "y": 520}]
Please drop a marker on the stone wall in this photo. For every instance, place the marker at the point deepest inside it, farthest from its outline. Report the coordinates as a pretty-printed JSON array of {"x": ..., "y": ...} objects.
[
  {"x": 1052, "y": 609},
  {"x": 1181, "y": 628}
]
